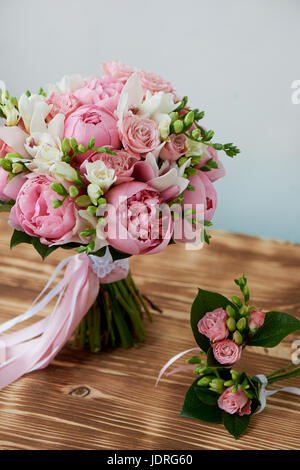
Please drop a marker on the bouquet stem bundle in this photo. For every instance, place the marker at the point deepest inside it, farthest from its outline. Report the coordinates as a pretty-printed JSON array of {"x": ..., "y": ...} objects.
[{"x": 115, "y": 318}]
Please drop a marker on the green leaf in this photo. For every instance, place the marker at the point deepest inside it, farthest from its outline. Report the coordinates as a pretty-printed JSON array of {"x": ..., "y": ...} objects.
[
  {"x": 206, "y": 301},
  {"x": 235, "y": 424},
  {"x": 6, "y": 206},
  {"x": 116, "y": 254},
  {"x": 208, "y": 397},
  {"x": 19, "y": 237},
  {"x": 22, "y": 237},
  {"x": 43, "y": 250},
  {"x": 194, "y": 408},
  {"x": 277, "y": 325}
]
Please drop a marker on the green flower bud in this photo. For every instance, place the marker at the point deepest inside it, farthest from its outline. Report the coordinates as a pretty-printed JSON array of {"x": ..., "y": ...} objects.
[
  {"x": 178, "y": 126},
  {"x": 6, "y": 164},
  {"x": 241, "y": 324},
  {"x": 65, "y": 146},
  {"x": 196, "y": 159},
  {"x": 81, "y": 148},
  {"x": 191, "y": 171},
  {"x": 194, "y": 360},
  {"x": 249, "y": 394},
  {"x": 92, "y": 210},
  {"x": 14, "y": 101},
  {"x": 228, "y": 383},
  {"x": 246, "y": 293},
  {"x": 182, "y": 161},
  {"x": 230, "y": 311},
  {"x": 231, "y": 325},
  {"x": 13, "y": 155},
  {"x": 235, "y": 388},
  {"x": 174, "y": 116},
  {"x": 234, "y": 374},
  {"x": 56, "y": 203},
  {"x": 236, "y": 300},
  {"x": 17, "y": 168},
  {"x": 243, "y": 310},
  {"x": 217, "y": 384},
  {"x": 101, "y": 201},
  {"x": 58, "y": 188},
  {"x": 83, "y": 201},
  {"x": 189, "y": 119},
  {"x": 87, "y": 233},
  {"x": 195, "y": 133},
  {"x": 237, "y": 337},
  {"x": 73, "y": 191},
  {"x": 73, "y": 143},
  {"x": 92, "y": 142},
  {"x": 204, "y": 381}
]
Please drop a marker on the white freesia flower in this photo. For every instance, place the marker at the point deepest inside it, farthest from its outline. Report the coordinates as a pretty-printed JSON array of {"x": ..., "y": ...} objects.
[
  {"x": 99, "y": 174},
  {"x": 173, "y": 177},
  {"x": 27, "y": 106},
  {"x": 68, "y": 84},
  {"x": 10, "y": 111},
  {"x": 45, "y": 157},
  {"x": 94, "y": 192},
  {"x": 195, "y": 148},
  {"x": 65, "y": 171}
]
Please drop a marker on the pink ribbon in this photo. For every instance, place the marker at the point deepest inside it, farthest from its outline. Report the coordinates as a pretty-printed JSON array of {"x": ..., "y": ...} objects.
[
  {"x": 178, "y": 369},
  {"x": 33, "y": 347}
]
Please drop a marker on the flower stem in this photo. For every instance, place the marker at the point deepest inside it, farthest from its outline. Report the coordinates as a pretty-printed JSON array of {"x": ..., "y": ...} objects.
[{"x": 276, "y": 378}]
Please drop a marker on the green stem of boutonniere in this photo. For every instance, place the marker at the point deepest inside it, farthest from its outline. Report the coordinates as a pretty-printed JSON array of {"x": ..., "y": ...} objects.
[{"x": 284, "y": 373}]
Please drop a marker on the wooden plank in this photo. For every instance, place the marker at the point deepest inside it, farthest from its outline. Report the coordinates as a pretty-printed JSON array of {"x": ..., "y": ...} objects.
[{"x": 123, "y": 409}]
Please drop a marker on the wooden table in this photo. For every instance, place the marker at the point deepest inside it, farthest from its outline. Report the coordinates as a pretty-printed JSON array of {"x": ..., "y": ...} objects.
[{"x": 123, "y": 409}]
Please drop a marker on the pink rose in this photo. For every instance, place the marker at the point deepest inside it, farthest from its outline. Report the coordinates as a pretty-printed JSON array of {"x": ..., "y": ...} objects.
[
  {"x": 34, "y": 214},
  {"x": 154, "y": 83},
  {"x": 140, "y": 135},
  {"x": 175, "y": 148},
  {"x": 257, "y": 318},
  {"x": 227, "y": 351},
  {"x": 117, "y": 70},
  {"x": 134, "y": 226},
  {"x": 62, "y": 103},
  {"x": 104, "y": 92},
  {"x": 92, "y": 121},
  {"x": 213, "y": 325},
  {"x": 122, "y": 163},
  {"x": 215, "y": 173},
  {"x": 237, "y": 402}
]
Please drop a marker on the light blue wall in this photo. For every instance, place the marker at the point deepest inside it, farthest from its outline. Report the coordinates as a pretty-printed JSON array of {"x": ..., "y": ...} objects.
[{"x": 236, "y": 59}]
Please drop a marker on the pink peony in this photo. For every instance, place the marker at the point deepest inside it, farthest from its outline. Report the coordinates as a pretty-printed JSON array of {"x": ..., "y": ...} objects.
[
  {"x": 257, "y": 318},
  {"x": 175, "y": 148},
  {"x": 213, "y": 325},
  {"x": 227, "y": 351},
  {"x": 62, "y": 103},
  {"x": 33, "y": 213},
  {"x": 104, "y": 92},
  {"x": 140, "y": 135},
  {"x": 154, "y": 83},
  {"x": 134, "y": 226},
  {"x": 237, "y": 402},
  {"x": 122, "y": 163},
  {"x": 117, "y": 70},
  {"x": 92, "y": 121},
  {"x": 204, "y": 193}
]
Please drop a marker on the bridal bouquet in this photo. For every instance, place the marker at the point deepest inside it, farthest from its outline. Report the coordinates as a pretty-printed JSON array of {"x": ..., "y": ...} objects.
[
  {"x": 222, "y": 329},
  {"x": 112, "y": 167}
]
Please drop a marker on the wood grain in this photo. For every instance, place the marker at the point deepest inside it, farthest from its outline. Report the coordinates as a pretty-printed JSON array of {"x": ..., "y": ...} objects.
[{"x": 123, "y": 409}]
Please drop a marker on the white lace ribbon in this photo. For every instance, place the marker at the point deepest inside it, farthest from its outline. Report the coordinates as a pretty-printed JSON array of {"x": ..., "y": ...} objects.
[
  {"x": 264, "y": 393},
  {"x": 102, "y": 266}
]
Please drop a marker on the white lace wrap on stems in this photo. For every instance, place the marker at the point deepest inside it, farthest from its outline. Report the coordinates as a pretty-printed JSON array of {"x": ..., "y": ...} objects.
[{"x": 104, "y": 265}]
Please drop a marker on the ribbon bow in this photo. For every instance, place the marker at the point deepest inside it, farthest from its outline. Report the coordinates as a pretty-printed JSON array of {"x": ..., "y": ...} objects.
[
  {"x": 263, "y": 393},
  {"x": 33, "y": 347}
]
